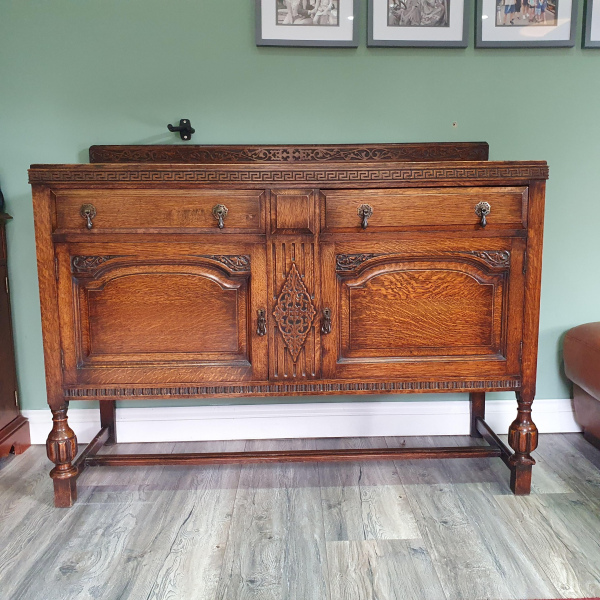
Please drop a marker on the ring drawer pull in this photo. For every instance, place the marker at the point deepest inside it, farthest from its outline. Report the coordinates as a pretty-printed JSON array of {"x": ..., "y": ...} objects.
[
  {"x": 326, "y": 323},
  {"x": 261, "y": 328},
  {"x": 88, "y": 212},
  {"x": 482, "y": 210},
  {"x": 220, "y": 212},
  {"x": 365, "y": 212}
]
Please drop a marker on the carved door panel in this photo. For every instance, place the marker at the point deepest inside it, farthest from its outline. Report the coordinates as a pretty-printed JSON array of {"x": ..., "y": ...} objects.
[
  {"x": 161, "y": 313},
  {"x": 418, "y": 311}
]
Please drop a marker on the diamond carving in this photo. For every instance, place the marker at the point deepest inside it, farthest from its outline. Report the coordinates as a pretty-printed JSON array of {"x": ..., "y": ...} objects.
[{"x": 294, "y": 312}]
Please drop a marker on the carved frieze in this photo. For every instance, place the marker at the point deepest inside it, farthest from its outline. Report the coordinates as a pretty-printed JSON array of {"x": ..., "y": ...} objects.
[
  {"x": 318, "y": 387},
  {"x": 294, "y": 312},
  {"x": 289, "y": 154},
  {"x": 345, "y": 175}
]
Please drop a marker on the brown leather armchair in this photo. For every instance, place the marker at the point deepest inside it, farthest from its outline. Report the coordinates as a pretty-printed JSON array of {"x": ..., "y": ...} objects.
[{"x": 582, "y": 366}]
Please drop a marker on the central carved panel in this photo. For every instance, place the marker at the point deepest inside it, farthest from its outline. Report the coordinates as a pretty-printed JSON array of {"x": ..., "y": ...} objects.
[{"x": 294, "y": 312}]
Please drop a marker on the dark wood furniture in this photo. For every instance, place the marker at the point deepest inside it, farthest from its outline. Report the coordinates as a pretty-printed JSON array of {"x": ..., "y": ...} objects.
[
  {"x": 14, "y": 428},
  {"x": 255, "y": 271},
  {"x": 581, "y": 354}
]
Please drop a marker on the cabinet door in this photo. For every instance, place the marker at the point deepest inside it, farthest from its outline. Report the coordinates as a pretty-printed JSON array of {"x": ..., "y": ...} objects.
[
  {"x": 161, "y": 313},
  {"x": 421, "y": 311}
]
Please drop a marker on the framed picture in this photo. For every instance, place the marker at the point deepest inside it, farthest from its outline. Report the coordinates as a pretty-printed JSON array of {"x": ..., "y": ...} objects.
[
  {"x": 319, "y": 23},
  {"x": 591, "y": 34},
  {"x": 419, "y": 23},
  {"x": 525, "y": 23}
]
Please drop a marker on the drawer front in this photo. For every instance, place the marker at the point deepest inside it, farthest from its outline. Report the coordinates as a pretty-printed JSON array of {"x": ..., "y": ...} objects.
[
  {"x": 161, "y": 210},
  {"x": 434, "y": 208}
]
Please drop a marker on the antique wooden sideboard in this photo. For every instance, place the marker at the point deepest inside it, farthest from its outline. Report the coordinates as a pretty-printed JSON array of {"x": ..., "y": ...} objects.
[{"x": 170, "y": 272}]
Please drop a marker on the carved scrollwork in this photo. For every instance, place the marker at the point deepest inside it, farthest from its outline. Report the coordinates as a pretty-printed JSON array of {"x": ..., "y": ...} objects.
[
  {"x": 88, "y": 264},
  {"x": 349, "y": 262},
  {"x": 294, "y": 312},
  {"x": 495, "y": 258},
  {"x": 237, "y": 263},
  {"x": 289, "y": 154}
]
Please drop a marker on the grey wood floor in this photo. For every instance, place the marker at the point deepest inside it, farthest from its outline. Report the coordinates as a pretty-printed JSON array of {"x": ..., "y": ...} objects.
[{"x": 340, "y": 531}]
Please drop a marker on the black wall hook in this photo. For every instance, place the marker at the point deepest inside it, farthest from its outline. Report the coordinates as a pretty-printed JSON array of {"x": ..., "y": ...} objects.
[{"x": 185, "y": 129}]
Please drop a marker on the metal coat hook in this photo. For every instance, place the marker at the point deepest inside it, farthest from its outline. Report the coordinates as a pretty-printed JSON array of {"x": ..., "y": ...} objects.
[{"x": 185, "y": 129}]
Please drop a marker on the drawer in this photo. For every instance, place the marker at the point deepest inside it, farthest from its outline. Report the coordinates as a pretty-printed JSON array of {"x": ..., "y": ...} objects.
[
  {"x": 430, "y": 208},
  {"x": 161, "y": 210}
]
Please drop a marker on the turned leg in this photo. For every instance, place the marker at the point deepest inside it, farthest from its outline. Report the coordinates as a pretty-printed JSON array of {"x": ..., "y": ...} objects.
[
  {"x": 62, "y": 449},
  {"x": 523, "y": 439},
  {"x": 477, "y": 411},
  {"x": 108, "y": 418}
]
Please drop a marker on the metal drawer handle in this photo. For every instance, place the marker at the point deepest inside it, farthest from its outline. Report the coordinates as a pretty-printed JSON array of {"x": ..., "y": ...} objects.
[
  {"x": 220, "y": 212},
  {"x": 482, "y": 210},
  {"x": 88, "y": 212},
  {"x": 365, "y": 212},
  {"x": 326, "y": 323},
  {"x": 261, "y": 328}
]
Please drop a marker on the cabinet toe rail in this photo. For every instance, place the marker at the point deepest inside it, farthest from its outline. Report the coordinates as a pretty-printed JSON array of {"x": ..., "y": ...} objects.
[{"x": 90, "y": 457}]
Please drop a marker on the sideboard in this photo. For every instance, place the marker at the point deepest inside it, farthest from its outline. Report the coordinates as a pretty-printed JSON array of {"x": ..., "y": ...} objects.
[{"x": 173, "y": 272}]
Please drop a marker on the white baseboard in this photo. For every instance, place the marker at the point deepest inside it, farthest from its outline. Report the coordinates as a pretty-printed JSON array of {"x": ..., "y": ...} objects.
[{"x": 280, "y": 421}]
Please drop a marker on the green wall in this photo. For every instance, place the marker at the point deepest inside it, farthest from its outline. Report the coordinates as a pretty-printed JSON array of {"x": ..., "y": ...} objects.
[{"x": 80, "y": 72}]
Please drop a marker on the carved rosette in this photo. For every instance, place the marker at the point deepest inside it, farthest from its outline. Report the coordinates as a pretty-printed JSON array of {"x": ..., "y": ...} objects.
[
  {"x": 294, "y": 312},
  {"x": 61, "y": 446}
]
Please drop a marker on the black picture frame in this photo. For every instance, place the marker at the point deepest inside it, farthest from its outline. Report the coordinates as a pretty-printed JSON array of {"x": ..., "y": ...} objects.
[
  {"x": 481, "y": 43},
  {"x": 587, "y": 41},
  {"x": 261, "y": 40},
  {"x": 377, "y": 43}
]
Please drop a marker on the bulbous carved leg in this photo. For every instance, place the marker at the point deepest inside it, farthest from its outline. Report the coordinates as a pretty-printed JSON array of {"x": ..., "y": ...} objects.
[
  {"x": 523, "y": 439},
  {"x": 61, "y": 447}
]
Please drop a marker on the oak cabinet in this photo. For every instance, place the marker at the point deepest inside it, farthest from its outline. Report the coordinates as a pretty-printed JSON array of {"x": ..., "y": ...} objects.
[{"x": 248, "y": 271}]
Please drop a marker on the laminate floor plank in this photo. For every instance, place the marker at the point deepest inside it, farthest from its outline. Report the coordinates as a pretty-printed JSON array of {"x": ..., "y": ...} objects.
[
  {"x": 193, "y": 565},
  {"x": 364, "y": 501},
  {"x": 573, "y": 466},
  {"x": 584, "y": 447},
  {"x": 382, "y": 570},
  {"x": 277, "y": 543},
  {"x": 554, "y": 529}
]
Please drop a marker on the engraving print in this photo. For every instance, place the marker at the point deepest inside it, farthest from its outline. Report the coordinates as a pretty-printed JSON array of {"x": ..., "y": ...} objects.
[
  {"x": 308, "y": 12},
  {"x": 294, "y": 312}
]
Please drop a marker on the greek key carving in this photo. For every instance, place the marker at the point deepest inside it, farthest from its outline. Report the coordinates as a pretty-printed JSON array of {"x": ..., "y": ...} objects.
[{"x": 291, "y": 175}]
